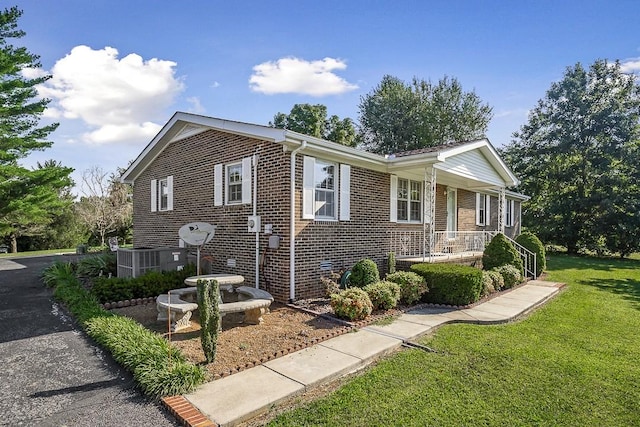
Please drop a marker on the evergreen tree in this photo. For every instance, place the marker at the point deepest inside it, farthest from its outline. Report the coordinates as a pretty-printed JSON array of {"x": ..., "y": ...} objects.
[{"x": 27, "y": 197}]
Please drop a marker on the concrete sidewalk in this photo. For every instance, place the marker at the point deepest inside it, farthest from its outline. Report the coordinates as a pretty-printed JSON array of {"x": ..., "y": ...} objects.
[{"x": 236, "y": 398}]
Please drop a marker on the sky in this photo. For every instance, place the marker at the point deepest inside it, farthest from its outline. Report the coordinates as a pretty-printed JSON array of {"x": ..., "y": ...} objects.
[{"x": 121, "y": 68}]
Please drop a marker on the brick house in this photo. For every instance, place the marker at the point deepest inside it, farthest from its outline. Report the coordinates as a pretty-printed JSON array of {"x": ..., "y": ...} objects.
[{"x": 342, "y": 204}]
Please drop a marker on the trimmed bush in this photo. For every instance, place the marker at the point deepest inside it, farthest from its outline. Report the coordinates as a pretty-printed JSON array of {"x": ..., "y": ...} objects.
[
  {"x": 208, "y": 299},
  {"x": 450, "y": 284},
  {"x": 364, "y": 272},
  {"x": 151, "y": 284},
  {"x": 487, "y": 284},
  {"x": 531, "y": 242},
  {"x": 496, "y": 277},
  {"x": 412, "y": 285},
  {"x": 383, "y": 295},
  {"x": 500, "y": 251},
  {"x": 351, "y": 304},
  {"x": 158, "y": 368},
  {"x": 511, "y": 275}
]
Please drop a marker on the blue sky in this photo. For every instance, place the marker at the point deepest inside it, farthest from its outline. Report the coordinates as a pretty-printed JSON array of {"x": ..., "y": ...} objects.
[{"x": 122, "y": 68}]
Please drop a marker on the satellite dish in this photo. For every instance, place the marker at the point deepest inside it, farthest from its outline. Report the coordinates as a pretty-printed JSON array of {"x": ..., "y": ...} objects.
[{"x": 197, "y": 233}]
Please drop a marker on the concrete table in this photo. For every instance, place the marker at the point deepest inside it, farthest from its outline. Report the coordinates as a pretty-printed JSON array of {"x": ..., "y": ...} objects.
[{"x": 226, "y": 281}]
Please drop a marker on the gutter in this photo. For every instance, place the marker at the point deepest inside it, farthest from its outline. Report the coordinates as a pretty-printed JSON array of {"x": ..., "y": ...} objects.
[{"x": 292, "y": 224}]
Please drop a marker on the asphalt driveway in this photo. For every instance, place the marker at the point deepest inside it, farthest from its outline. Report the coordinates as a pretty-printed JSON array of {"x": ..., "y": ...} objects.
[{"x": 51, "y": 373}]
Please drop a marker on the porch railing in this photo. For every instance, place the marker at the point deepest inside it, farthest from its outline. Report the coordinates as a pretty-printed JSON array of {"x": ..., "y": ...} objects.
[{"x": 412, "y": 243}]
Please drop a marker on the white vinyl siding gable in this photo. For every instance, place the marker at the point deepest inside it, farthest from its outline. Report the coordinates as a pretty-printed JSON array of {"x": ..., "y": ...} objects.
[{"x": 473, "y": 165}]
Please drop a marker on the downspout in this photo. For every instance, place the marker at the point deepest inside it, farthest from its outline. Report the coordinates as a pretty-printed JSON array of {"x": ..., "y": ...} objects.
[
  {"x": 255, "y": 212},
  {"x": 292, "y": 224}
]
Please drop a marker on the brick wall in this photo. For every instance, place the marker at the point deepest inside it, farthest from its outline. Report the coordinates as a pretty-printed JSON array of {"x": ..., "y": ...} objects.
[{"x": 319, "y": 244}]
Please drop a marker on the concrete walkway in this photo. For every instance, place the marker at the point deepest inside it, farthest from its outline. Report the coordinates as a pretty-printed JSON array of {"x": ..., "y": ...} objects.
[{"x": 236, "y": 398}]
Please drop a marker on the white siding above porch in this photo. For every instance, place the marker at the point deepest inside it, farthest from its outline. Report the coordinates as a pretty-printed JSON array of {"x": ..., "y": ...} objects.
[{"x": 471, "y": 165}]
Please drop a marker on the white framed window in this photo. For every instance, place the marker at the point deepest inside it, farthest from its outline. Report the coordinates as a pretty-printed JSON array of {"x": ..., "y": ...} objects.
[
  {"x": 509, "y": 213},
  {"x": 406, "y": 200},
  {"x": 483, "y": 205},
  {"x": 232, "y": 183},
  {"x": 162, "y": 194},
  {"x": 326, "y": 190}
]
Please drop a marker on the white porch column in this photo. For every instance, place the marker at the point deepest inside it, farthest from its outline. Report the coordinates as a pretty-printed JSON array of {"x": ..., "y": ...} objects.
[
  {"x": 501, "y": 209},
  {"x": 429, "y": 211}
]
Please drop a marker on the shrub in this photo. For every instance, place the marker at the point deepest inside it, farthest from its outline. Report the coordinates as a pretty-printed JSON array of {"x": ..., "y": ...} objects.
[
  {"x": 496, "y": 277},
  {"x": 391, "y": 261},
  {"x": 331, "y": 283},
  {"x": 363, "y": 273},
  {"x": 56, "y": 272},
  {"x": 511, "y": 275},
  {"x": 450, "y": 284},
  {"x": 383, "y": 295},
  {"x": 500, "y": 251},
  {"x": 412, "y": 285},
  {"x": 98, "y": 265},
  {"x": 208, "y": 299},
  {"x": 158, "y": 368},
  {"x": 352, "y": 304},
  {"x": 487, "y": 284},
  {"x": 151, "y": 284},
  {"x": 531, "y": 242}
]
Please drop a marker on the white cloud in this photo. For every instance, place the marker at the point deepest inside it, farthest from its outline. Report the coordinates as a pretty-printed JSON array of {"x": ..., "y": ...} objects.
[
  {"x": 631, "y": 65},
  {"x": 116, "y": 98},
  {"x": 294, "y": 75},
  {"x": 196, "y": 105}
]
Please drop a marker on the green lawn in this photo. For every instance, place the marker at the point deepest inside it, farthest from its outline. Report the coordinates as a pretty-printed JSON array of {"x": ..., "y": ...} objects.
[
  {"x": 38, "y": 253},
  {"x": 574, "y": 362}
]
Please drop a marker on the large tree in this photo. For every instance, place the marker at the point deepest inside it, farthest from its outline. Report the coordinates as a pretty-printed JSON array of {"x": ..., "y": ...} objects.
[
  {"x": 396, "y": 116},
  {"x": 27, "y": 195},
  {"x": 578, "y": 158},
  {"x": 312, "y": 120},
  {"x": 105, "y": 206}
]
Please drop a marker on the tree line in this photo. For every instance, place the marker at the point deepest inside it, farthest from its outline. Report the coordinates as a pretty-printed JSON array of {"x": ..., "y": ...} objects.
[{"x": 578, "y": 154}]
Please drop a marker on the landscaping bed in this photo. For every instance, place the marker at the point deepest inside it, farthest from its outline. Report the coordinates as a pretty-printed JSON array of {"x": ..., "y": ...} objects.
[{"x": 241, "y": 346}]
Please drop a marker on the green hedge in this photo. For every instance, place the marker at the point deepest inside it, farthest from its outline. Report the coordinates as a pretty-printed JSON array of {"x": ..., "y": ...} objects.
[
  {"x": 450, "y": 284},
  {"x": 150, "y": 284},
  {"x": 158, "y": 367},
  {"x": 363, "y": 273}
]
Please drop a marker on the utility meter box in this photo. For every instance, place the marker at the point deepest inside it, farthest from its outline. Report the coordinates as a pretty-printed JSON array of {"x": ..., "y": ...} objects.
[{"x": 253, "y": 224}]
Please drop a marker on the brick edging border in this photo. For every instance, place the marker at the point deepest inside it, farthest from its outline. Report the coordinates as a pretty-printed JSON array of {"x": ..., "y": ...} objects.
[{"x": 186, "y": 413}]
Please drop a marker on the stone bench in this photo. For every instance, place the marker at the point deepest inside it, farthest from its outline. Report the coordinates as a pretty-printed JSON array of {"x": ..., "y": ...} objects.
[
  {"x": 172, "y": 307},
  {"x": 253, "y": 302}
]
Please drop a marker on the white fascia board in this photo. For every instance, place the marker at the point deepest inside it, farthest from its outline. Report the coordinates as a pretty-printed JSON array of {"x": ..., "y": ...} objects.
[
  {"x": 173, "y": 127},
  {"x": 334, "y": 151}
]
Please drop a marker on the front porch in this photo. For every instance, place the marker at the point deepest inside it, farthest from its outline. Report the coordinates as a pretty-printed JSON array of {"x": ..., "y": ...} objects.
[{"x": 413, "y": 245}]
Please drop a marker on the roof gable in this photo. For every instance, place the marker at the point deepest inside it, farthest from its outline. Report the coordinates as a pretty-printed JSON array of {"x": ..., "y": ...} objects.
[{"x": 475, "y": 160}]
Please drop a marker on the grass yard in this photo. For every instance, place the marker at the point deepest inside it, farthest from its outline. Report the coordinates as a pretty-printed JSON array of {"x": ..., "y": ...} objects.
[{"x": 574, "y": 362}]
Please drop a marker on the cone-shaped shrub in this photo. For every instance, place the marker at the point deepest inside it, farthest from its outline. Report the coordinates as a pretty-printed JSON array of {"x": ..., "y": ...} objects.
[
  {"x": 499, "y": 252},
  {"x": 208, "y": 294}
]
